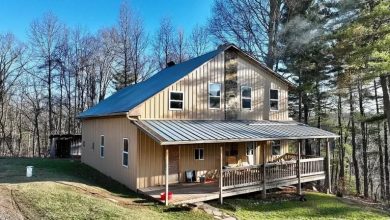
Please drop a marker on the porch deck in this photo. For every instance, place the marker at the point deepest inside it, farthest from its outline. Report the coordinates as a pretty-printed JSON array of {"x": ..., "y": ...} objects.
[{"x": 199, "y": 192}]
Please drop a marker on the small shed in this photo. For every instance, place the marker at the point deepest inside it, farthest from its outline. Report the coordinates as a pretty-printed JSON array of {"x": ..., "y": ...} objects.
[{"x": 65, "y": 145}]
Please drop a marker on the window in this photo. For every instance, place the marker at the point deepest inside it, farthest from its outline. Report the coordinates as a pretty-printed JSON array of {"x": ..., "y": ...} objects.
[
  {"x": 246, "y": 97},
  {"x": 102, "y": 146},
  {"x": 232, "y": 150},
  {"x": 274, "y": 99},
  {"x": 125, "y": 153},
  {"x": 199, "y": 154},
  {"x": 214, "y": 95},
  {"x": 176, "y": 100},
  {"x": 275, "y": 147},
  {"x": 250, "y": 148}
]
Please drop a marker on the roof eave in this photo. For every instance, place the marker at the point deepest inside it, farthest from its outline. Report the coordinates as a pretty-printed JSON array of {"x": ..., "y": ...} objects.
[
  {"x": 102, "y": 116},
  {"x": 287, "y": 82},
  {"x": 166, "y": 143}
]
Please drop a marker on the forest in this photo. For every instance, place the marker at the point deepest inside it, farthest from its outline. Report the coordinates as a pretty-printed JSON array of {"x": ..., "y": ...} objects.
[{"x": 337, "y": 53}]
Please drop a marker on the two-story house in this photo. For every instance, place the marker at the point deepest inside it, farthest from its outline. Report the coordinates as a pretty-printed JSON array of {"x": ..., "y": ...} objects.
[{"x": 219, "y": 120}]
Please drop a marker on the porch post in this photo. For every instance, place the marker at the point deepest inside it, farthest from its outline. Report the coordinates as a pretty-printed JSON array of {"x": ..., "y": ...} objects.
[
  {"x": 221, "y": 175},
  {"x": 166, "y": 174},
  {"x": 299, "y": 188},
  {"x": 328, "y": 179},
  {"x": 264, "y": 192}
]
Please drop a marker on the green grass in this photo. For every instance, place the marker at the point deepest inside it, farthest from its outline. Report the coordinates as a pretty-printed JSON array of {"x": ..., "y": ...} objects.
[
  {"x": 317, "y": 206},
  {"x": 66, "y": 189}
]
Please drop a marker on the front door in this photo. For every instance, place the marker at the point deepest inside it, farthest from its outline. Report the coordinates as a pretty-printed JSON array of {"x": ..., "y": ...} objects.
[
  {"x": 174, "y": 157},
  {"x": 250, "y": 151}
]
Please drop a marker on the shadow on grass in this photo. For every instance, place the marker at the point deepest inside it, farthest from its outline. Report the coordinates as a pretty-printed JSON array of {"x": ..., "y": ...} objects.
[
  {"x": 14, "y": 170},
  {"x": 317, "y": 205}
]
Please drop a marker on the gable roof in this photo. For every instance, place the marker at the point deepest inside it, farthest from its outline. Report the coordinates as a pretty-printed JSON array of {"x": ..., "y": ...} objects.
[{"x": 131, "y": 96}]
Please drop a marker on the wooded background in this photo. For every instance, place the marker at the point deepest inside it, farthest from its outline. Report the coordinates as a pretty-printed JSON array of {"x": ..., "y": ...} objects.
[{"x": 336, "y": 52}]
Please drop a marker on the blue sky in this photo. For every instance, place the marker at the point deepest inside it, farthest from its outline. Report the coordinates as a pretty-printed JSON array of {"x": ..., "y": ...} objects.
[{"x": 16, "y": 15}]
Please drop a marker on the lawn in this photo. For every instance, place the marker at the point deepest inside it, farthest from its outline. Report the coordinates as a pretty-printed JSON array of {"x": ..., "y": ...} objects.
[
  {"x": 317, "y": 206},
  {"x": 66, "y": 189}
]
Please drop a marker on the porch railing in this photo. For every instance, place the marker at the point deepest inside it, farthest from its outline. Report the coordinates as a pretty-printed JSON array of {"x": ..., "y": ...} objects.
[{"x": 253, "y": 175}]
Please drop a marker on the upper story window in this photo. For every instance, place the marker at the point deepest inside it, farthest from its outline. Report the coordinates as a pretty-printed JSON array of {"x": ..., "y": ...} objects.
[
  {"x": 102, "y": 146},
  {"x": 125, "y": 153},
  {"x": 246, "y": 97},
  {"x": 275, "y": 148},
  {"x": 176, "y": 100},
  {"x": 274, "y": 99},
  {"x": 215, "y": 95}
]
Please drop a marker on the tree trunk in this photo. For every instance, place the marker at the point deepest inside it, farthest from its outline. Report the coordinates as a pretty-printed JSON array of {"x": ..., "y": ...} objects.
[
  {"x": 364, "y": 142},
  {"x": 387, "y": 172},
  {"x": 273, "y": 24},
  {"x": 308, "y": 150},
  {"x": 381, "y": 168},
  {"x": 386, "y": 97},
  {"x": 341, "y": 150},
  {"x": 353, "y": 140}
]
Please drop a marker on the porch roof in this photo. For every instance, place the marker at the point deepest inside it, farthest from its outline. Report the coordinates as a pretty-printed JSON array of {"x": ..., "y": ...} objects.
[{"x": 173, "y": 132}]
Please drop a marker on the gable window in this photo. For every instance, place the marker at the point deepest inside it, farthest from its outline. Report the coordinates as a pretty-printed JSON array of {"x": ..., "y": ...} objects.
[
  {"x": 125, "y": 153},
  {"x": 275, "y": 148},
  {"x": 274, "y": 99},
  {"x": 214, "y": 95},
  {"x": 250, "y": 148},
  {"x": 176, "y": 100},
  {"x": 102, "y": 146},
  {"x": 246, "y": 97},
  {"x": 199, "y": 154}
]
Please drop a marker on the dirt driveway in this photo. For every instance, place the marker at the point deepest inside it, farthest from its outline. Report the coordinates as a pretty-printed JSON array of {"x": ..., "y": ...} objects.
[{"x": 8, "y": 207}]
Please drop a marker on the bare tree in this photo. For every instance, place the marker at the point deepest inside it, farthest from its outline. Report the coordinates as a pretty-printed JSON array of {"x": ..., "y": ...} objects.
[
  {"x": 199, "y": 41},
  {"x": 131, "y": 45},
  {"x": 12, "y": 64},
  {"x": 139, "y": 45},
  {"x": 163, "y": 45},
  {"x": 180, "y": 44},
  {"x": 252, "y": 25},
  {"x": 45, "y": 37}
]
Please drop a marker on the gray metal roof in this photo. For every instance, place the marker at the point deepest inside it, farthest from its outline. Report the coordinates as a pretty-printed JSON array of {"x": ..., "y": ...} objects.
[
  {"x": 130, "y": 97},
  {"x": 170, "y": 132}
]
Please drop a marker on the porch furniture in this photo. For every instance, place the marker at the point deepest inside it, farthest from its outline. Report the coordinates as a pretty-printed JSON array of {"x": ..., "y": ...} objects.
[{"x": 190, "y": 176}]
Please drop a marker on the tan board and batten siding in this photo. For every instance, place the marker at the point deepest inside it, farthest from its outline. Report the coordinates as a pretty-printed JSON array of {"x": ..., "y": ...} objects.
[
  {"x": 151, "y": 159},
  {"x": 146, "y": 157},
  {"x": 114, "y": 130},
  {"x": 195, "y": 88}
]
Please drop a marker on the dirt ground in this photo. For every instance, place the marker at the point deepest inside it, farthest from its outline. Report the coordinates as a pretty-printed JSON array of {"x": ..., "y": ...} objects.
[{"x": 8, "y": 208}]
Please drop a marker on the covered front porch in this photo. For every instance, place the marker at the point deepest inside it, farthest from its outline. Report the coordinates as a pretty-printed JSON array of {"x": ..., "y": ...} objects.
[
  {"x": 242, "y": 180},
  {"x": 180, "y": 141}
]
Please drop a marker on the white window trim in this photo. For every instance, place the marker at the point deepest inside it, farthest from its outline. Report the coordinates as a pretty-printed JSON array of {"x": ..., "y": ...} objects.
[
  {"x": 124, "y": 152},
  {"x": 246, "y": 98},
  {"x": 220, "y": 95},
  {"x": 280, "y": 148},
  {"x": 198, "y": 148},
  {"x": 169, "y": 101},
  {"x": 102, "y": 146},
  {"x": 278, "y": 100},
  {"x": 253, "y": 149}
]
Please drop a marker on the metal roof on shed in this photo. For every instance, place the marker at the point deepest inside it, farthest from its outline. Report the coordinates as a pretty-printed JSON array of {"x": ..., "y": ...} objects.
[{"x": 171, "y": 132}]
